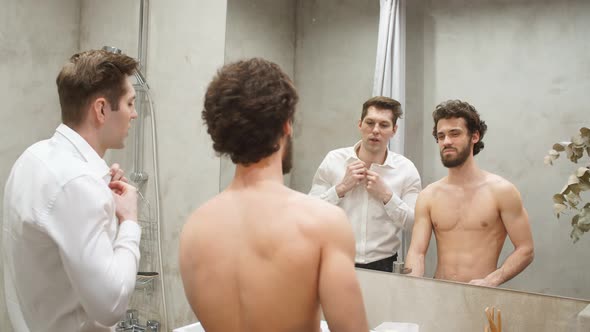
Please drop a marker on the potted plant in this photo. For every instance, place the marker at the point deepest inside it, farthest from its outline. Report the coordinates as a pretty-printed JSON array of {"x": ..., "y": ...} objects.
[{"x": 569, "y": 200}]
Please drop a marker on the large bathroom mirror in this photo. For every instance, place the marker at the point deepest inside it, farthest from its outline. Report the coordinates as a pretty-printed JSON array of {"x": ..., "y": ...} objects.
[{"x": 523, "y": 64}]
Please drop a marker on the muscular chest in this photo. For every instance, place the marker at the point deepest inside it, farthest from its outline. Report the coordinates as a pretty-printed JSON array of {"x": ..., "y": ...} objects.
[{"x": 464, "y": 209}]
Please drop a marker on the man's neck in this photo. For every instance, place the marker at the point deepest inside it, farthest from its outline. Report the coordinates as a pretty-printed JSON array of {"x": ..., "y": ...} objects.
[
  {"x": 371, "y": 158},
  {"x": 267, "y": 170},
  {"x": 90, "y": 136},
  {"x": 465, "y": 173}
]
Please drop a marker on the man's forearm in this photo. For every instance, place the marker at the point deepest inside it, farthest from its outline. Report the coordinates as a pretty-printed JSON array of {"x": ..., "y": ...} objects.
[
  {"x": 514, "y": 264},
  {"x": 416, "y": 263}
]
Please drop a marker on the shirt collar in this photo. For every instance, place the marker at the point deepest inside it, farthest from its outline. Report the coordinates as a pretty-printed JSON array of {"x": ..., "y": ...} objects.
[
  {"x": 389, "y": 158},
  {"x": 96, "y": 163}
]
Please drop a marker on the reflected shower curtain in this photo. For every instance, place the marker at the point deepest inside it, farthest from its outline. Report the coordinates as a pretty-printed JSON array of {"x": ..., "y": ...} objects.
[
  {"x": 390, "y": 77},
  {"x": 390, "y": 64}
]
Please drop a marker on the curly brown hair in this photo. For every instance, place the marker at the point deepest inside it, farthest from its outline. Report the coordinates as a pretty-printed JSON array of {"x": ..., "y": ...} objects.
[
  {"x": 246, "y": 106},
  {"x": 384, "y": 103},
  {"x": 460, "y": 109},
  {"x": 88, "y": 75}
]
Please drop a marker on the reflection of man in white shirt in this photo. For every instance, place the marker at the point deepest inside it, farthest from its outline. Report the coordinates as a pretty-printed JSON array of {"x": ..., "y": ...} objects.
[
  {"x": 69, "y": 264},
  {"x": 376, "y": 187}
]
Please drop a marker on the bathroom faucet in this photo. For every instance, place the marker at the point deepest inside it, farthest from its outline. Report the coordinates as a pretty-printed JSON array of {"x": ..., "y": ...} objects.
[{"x": 131, "y": 324}]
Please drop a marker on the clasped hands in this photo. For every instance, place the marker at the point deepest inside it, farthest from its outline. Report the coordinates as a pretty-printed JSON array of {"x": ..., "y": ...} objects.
[{"x": 357, "y": 174}]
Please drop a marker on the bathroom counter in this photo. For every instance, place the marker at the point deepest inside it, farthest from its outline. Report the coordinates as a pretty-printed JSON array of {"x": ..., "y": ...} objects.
[{"x": 448, "y": 306}]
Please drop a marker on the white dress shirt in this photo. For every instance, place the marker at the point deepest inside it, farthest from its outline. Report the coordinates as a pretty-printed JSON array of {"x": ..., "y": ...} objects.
[
  {"x": 68, "y": 265},
  {"x": 376, "y": 225}
]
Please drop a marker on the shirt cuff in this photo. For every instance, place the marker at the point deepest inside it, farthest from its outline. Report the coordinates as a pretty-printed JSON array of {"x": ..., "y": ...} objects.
[
  {"x": 130, "y": 229},
  {"x": 129, "y": 237},
  {"x": 331, "y": 196}
]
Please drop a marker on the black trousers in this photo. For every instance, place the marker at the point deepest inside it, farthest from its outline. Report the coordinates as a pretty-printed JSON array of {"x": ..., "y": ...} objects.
[{"x": 385, "y": 264}]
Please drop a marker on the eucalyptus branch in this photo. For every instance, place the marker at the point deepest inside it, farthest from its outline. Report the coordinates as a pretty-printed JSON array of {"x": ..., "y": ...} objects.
[{"x": 569, "y": 198}]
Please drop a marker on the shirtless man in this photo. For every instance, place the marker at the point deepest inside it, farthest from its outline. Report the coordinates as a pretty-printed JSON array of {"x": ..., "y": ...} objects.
[
  {"x": 471, "y": 211},
  {"x": 260, "y": 256}
]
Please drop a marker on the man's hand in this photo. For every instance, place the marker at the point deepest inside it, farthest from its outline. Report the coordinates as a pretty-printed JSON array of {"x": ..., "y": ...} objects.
[
  {"x": 377, "y": 188},
  {"x": 125, "y": 200},
  {"x": 482, "y": 282},
  {"x": 355, "y": 174},
  {"x": 117, "y": 173}
]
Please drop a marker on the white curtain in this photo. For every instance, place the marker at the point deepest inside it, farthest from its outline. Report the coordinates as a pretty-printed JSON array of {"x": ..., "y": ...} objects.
[
  {"x": 390, "y": 79},
  {"x": 390, "y": 65}
]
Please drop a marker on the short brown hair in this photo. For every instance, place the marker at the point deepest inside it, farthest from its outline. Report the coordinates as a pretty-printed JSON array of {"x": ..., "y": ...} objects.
[
  {"x": 384, "y": 103},
  {"x": 88, "y": 74},
  {"x": 246, "y": 106},
  {"x": 460, "y": 109}
]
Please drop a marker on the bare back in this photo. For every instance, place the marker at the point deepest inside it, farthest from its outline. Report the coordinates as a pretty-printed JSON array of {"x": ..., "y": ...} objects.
[
  {"x": 468, "y": 227},
  {"x": 251, "y": 258}
]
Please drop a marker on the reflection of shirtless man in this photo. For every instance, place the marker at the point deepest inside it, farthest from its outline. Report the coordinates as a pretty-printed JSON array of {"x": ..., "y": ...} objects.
[
  {"x": 260, "y": 256},
  {"x": 470, "y": 210}
]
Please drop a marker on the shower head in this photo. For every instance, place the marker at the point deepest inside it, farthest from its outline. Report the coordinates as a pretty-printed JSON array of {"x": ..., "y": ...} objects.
[
  {"x": 112, "y": 49},
  {"x": 138, "y": 75}
]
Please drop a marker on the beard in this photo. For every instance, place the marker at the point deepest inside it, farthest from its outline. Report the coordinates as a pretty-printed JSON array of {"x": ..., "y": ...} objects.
[
  {"x": 288, "y": 155},
  {"x": 458, "y": 159}
]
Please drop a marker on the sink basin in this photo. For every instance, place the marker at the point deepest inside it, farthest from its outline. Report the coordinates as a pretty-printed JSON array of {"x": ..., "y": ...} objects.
[{"x": 196, "y": 327}]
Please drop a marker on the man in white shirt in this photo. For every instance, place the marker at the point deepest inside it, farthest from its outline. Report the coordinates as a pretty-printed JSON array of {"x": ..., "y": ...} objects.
[
  {"x": 70, "y": 236},
  {"x": 376, "y": 187}
]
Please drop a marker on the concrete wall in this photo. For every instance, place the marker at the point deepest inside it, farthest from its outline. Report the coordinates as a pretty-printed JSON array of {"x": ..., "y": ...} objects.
[
  {"x": 445, "y": 306},
  {"x": 259, "y": 28},
  {"x": 186, "y": 46},
  {"x": 334, "y": 67},
  {"x": 30, "y": 58},
  {"x": 523, "y": 65}
]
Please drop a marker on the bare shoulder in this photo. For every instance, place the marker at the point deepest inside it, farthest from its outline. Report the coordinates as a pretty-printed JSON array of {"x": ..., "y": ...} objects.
[
  {"x": 432, "y": 189},
  {"x": 197, "y": 219},
  {"x": 500, "y": 186},
  {"x": 322, "y": 218},
  {"x": 504, "y": 192},
  {"x": 318, "y": 210}
]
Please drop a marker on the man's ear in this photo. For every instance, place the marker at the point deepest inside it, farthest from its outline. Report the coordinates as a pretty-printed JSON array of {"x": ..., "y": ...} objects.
[
  {"x": 475, "y": 137},
  {"x": 288, "y": 128},
  {"x": 97, "y": 109},
  {"x": 395, "y": 128}
]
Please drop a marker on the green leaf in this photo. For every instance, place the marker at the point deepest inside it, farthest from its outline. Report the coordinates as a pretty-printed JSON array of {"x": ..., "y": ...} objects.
[
  {"x": 583, "y": 173},
  {"x": 575, "y": 234},
  {"x": 558, "y": 208},
  {"x": 548, "y": 160},
  {"x": 578, "y": 141},
  {"x": 558, "y": 199},
  {"x": 560, "y": 146},
  {"x": 572, "y": 198}
]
